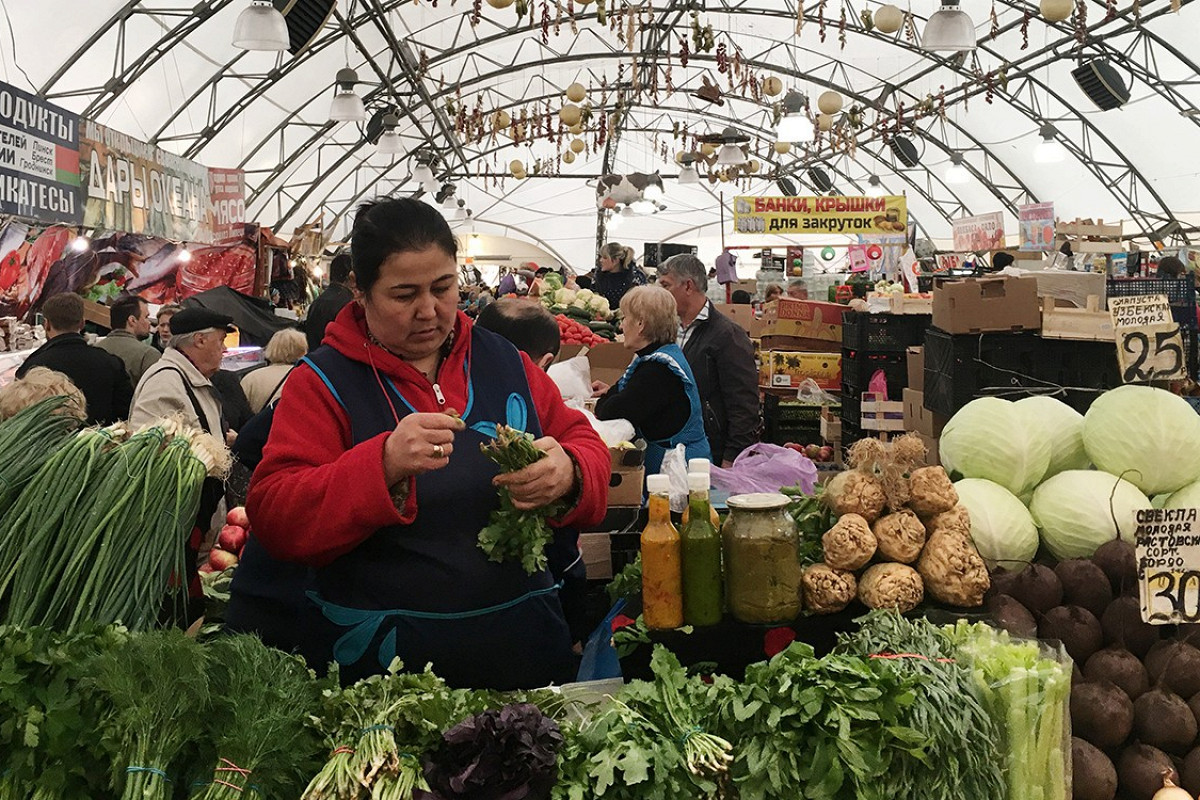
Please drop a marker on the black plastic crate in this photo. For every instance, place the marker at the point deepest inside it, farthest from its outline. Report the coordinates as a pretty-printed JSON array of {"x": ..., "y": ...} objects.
[
  {"x": 851, "y": 413},
  {"x": 882, "y": 333},
  {"x": 789, "y": 421},
  {"x": 960, "y": 368},
  {"x": 858, "y": 366},
  {"x": 1181, "y": 294}
]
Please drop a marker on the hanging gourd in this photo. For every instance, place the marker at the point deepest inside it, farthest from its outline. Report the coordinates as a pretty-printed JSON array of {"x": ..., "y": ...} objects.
[
  {"x": 679, "y": 156},
  {"x": 753, "y": 165},
  {"x": 568, "y": 157},
  {"x": 772, "y": 86},
  {"x": 824, "y": 122},
  {"x": 516, "y": 167},
  {"x": 575, "y": 129},
  {"x": 570, "y": 115},
  {"x": 576, "y": 92},
  {"x": 577, "y": 145},
  {"x": 500, "y": 3},
  {"x": 889, "y": 18},
  {"x": 829, "y": 103},
  {"x": 708, "y": 150},
  {"x": 783, "y": 148},
  {"x": 1057, "y": 10},
  {"x": 501, "y": 120}
]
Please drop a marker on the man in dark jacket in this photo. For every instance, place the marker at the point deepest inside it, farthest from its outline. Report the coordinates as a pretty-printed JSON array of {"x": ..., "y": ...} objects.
[
  {"x": 99, "y": 375},
  {"x": 721, "y": 357},
  {"x": 329, "y": 302}
]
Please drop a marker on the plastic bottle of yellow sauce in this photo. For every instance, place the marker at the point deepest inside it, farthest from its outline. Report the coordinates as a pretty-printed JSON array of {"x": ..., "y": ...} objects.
[
  {"x": 662, "y": 561},
  {"x": 703, "y": 466},
  {"x": 702, "y": 597}
]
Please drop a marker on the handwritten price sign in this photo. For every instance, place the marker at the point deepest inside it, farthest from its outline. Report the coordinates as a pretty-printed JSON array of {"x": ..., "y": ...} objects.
[
  {"x": 1168, "y": 559},
  {"x": 1149, "y": 346}
]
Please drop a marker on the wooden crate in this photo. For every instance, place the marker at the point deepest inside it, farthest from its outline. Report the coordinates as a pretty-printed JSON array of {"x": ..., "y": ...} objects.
[
  {"x": 912, "y": 303},
  {"x": 882, "y": 415},
  {"x": 831, "y": 427},
  {"x": 1090, "y": 324},
  {"x": 1086, "y": 236}
]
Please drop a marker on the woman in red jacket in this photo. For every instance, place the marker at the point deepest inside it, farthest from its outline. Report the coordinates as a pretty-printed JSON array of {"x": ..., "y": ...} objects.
[{"x": 371, "y": 477}]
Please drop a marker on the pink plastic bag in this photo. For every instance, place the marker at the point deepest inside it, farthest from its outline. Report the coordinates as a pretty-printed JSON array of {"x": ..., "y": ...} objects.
[
  {"x": 878, "y": 385},
  {"x": 766, "y": 467}
]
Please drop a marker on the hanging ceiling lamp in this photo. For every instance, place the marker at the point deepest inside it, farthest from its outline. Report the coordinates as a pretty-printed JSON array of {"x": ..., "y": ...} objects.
[
  {"x": 261, "y": 27},
  {"x": 730, "y": 154},
  {"x": 949, "y": 30},
  {"x": 461, "y": 213},
  {"x": 347, "y": 106},
  {"x": 627, "y": 211},
  {"x": 389, "y": 143},
  {"x": 794, "y": 125},
  {"x": 957, "y": 173},
  {"x": 423, "y": 173},
  {"x": 446, "y": 196},
  {"x": 1049, "y": 150},
  {"x": 687, "y": 171},
  {"x": 875, "y": 187}
]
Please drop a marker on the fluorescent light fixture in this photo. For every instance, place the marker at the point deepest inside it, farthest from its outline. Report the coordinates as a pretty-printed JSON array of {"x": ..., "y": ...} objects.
[
  {"x": 423, "y": 174},
  {"x": 347, "y": 106},
  {"x": 688, "y": 175},
  {"x": 390, "y": 143},
  {"x": 730, "y": 155},
  {"x": 261, "y": 27},
  {"x": 957, "y": 173},
  {"x": 949, "y": 30},
  {"x": 1049, "y": 150},
  {"x": 875, "y": 187}
]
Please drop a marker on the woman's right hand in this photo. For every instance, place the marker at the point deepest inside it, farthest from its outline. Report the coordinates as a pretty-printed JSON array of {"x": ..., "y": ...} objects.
[
  {"x": 599, "y": 388},
  {"x": 420, "y": 443}
]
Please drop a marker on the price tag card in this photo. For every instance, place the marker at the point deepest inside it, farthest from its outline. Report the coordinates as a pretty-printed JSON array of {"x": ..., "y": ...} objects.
[
  {"x": 1149, "y": 346},
  {"x": 1168, "y": 562}
]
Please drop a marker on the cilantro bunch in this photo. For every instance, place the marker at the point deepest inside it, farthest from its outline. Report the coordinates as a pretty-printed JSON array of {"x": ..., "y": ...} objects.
[{"x": 511, "y": 534}]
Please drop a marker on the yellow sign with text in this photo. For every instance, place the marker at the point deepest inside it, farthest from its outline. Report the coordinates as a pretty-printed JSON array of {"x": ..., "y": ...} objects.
[{"x": 836, "y": 214}]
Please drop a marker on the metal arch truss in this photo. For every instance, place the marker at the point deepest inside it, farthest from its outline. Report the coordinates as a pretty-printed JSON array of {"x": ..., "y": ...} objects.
[{"x": 1111, "y": 168}]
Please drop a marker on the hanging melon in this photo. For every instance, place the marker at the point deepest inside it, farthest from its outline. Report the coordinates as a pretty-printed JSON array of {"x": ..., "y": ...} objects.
[
  {"x": 889, "y": 18},
  {"x": 1057, "y": 10},
  {"x": 783, "y": 147},
  {"x": 577, "y": 145},
  {"x": 829, "y": 103},
  {"x": 576, "y": 92},
  {"x": 824, "y": 122},
  {"x": 570, "y": 115},
  {"x": 772, "y": 86},
  {"x": 568, "y": 157},
  {"x": 501, "y": 120}
]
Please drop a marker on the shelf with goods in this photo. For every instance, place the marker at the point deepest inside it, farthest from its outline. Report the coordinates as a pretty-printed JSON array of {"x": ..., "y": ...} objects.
[{"x": 875, "y": 343}]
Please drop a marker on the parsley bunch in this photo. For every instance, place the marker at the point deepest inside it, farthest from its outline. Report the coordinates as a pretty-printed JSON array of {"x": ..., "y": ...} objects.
[{"x": 511, "y": 534}]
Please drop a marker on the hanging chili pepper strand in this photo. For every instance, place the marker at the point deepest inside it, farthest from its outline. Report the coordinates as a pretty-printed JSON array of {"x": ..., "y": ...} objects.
[
  {"x": 1110, "y": 10},
  {"x": 545, "y": 22},
  {"x": 1081, "y": 30},
  {"x": 842, "y": 28},
  {"x": 476, "y": 12},
  {"x": 683, "y": 51},
  {"x": 942, "y": 102},
  {"x": 1025, "y": 27},
  {"x": 571, "y": 17},
  {"x": 989, "y": 81},
  {"x": 558, "y": 15},
  {"x": 995, "y": 31},
  {"x": 821, "y": 19},
  {"x": 722, "y": 58},
  {"x": 631, "y": 30}
]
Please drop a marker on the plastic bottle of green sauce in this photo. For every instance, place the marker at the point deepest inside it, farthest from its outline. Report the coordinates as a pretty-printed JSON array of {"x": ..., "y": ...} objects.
[{"x": 702, "y": 596}]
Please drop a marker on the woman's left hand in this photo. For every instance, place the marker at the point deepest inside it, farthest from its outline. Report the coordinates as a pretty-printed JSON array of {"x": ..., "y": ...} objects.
[{"x": 543, "y": 482}]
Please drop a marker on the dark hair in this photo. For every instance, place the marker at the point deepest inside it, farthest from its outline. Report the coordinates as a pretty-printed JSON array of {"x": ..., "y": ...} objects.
[
  {"x": 741, "y": 297},
  {"x": 340, "y": 268},
  {"x": 64, "y": 311},
  {"x": 527, "y": 325},
  {"x": 124, "y": 308},
  {"x": 1002, "y": 260},
  {"x": 1170, "y": 267},
  {"x": 584, "y": 281},
  {"x": 386, "y": 226}
]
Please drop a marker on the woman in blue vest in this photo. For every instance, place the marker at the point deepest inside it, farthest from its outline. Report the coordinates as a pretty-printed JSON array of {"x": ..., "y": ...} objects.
[
  {"x": 373, "y": 474},
  {"x": 657, "y": 393}
]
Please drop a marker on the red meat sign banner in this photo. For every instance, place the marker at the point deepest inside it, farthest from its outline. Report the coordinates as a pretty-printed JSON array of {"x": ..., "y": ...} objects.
[
  {"x": 132, "y": 186},
  {"x": 226, "y": 213}
]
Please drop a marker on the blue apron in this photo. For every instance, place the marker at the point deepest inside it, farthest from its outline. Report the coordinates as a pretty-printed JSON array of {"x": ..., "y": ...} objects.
[
  {"x": 691, "y": 435},
  {"x": 425, "y": 592}
]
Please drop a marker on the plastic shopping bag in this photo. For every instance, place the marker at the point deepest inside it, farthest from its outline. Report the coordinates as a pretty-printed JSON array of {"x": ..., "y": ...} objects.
[
  {"x": 766, "y": 467},
  {"x": 573, "y": 378},
  {"x": 674, "y": 465}
]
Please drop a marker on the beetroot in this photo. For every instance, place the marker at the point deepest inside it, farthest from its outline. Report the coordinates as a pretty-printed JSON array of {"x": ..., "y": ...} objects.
[
  {"x": 1093, "y": 776},
  {"x": 1163, "y": 720},
  {"x": 1176, "y": 665},
  {"x": 1077, "y": 628},
  {"x": 1121, "y": 667},
  {"x": 1101, "y": 713},
  {"x": 1118, "y": 560},
  {"x": 1013, "y": 617},
  {"x": 1122, "y": 624},
  {"x": 1140, "y": 771},
  {"x": 1189, "y": 773},
  {"x": 1084, "y": 585},
  {"x": 1037, "y": 588}
]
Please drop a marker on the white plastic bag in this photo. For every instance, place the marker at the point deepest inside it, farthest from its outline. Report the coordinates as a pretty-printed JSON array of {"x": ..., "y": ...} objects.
[
  {"x": 612, "y": 431},
  {"x": 674, "y": 465},
  {"x": 573, "y": 378}
]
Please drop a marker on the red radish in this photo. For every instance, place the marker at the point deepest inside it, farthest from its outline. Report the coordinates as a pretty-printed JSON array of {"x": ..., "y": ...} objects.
[
  {"x": 237, "y": 516},
  {"x": 221, "y": 560},
  {"x": 206, "y": 568},
  {"x": 232, "y": 538}
]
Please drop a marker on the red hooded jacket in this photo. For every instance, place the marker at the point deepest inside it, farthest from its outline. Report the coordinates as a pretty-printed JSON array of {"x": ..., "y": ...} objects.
[{"x": 315, "y": 497}]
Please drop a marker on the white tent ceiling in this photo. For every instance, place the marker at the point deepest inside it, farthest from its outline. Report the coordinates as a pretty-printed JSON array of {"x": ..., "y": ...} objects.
[{"x": 170, "y": 75}]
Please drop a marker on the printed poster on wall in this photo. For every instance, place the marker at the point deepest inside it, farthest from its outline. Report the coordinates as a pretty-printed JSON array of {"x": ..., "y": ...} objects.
[
  {"x": 226, "y": 203},
  {"x": 135, "y": 187},
  {"x": 979, "y": 233},
  {"x": 1037, "y": 227},
  {"x": 845, "y": 215},
  {"x": 39, "y": 159}
]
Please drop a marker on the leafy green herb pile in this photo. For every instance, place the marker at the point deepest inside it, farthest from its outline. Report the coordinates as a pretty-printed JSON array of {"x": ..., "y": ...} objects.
[
  {"x": 813, "y": 518},
  {"x": 513, "y": 535},
  {"x": 900, "y": 710}
]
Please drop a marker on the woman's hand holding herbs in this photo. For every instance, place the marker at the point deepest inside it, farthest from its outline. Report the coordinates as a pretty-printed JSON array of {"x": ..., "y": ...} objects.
[
  {"x": 541, "y": 483},
  {"x": 420, "y": 443}
]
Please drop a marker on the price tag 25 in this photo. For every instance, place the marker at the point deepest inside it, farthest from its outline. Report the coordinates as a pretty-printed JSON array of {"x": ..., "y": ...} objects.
[
  {"x": 1167, "y": 544},
  {"x": 1149, "y": 345}
]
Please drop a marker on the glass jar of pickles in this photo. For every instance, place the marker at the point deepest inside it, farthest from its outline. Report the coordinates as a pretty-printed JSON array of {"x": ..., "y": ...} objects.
[{"x": 762, "y": 565}]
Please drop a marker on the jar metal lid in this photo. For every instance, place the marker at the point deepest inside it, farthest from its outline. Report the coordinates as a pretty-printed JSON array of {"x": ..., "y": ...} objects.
[{"x": 758, "y": 501}]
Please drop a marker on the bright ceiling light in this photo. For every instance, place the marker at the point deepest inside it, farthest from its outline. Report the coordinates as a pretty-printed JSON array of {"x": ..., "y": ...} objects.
[
  {"x": 627, "y": 211},
  {"x": 318, "y": 272},
  {"x": 615, "y": 222},
  {"x": 423, "y": 174},
  {"x": 449, "y": 201},
  {"x": 390, "y": 143},
  {"x": 430, "y": 187},
  {"x": 261, "y": 27},
  {"x": 1049, "y": 150},
  {"x": 461, "y": 213},
  {"x": 347, "y": 106},
  {"x": 730, "y": 155},
  {"x": 957, "y": 173},
  {"x": 794, "y": 125},
  {"x": 653, "y": 191},
  {"x": 80, "y": 244},
  {"x": 184, "y": 255},
  {"x": 875, "y": 187},
  {"x": 688, "y": 175},
  {"x": 643, "y": 207},
  {"x": 949, "y": 30}
]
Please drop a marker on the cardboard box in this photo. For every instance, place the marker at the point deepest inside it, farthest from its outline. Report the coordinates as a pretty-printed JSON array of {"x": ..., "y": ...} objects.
[
  {"x": 596, "y": 549},
  {"x": 808, "y": 318},
  {"x": 978, "y": 305},
  {"x": 919, "y": 419},
  {"x": 625, "y": 487},
  {"x": 748, "y": 285},
  {"x": 916, "y": 368},
  {"x": 624, "y": 458},
  {"x": 569, "y": 351},
  {"x": 787, "y": 370},
  {"x": 608, "y": 361},
  {"x": 931, "y": 450},
  {"x": 745, "y": 317},
  {"x": 96, "y": 313},
  {"x": 786, "y": 343},
  {"x": 881, "y": 415}
]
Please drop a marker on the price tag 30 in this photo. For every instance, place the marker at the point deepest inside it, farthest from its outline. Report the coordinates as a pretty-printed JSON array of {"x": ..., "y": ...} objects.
[{"x": 1168, "y": 562}]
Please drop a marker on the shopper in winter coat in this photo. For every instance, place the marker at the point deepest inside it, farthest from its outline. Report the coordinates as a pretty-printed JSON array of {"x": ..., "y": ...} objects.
[
  {"x": 262, "y": 386},
  {"x": 372, "y": 478},
  {"x": 330, "y": 302},
  {"x": 617, "y": 273},
  {"x": 721, "y": 358},
  {"x": 129, "y": 325},
  {"x": 99, "y": 375},
  {"x": 657, "y": 393}
]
